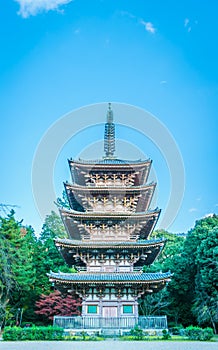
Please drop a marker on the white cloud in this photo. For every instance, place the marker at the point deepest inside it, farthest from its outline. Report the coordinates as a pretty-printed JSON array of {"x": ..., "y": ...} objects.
[
  {"x": 163, "y": 82},
  {"x": 191, "y": 210},
  {"x": 189, "y": 24},
  {"x": 209, "y": 215},
  {"x": 33, "y": 7},
  {"x": 149, "y": 27},
  {"x": 186, "y": 22}
]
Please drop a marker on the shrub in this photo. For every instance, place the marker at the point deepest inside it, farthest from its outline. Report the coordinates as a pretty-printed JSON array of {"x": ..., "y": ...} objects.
[
  {"x": 207, "y": 333},
  {"x": 137, "y": 332},
  {"x": 197, "y": 333},
  {"x": 84, "y": 334},
  {"x": 33, "y": 333},
  {"x": 177, "y": 330},
  {"x": 166, "y": 334}
]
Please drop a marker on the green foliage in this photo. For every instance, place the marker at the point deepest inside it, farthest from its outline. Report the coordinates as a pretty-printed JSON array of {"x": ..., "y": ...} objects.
[
  {"x": 177, "y": 330},
  {"x": 173, "y": 247},
  {"x": 197, "y": 333},
  {"x": 47, "y": 256},
  {"x": 193, "y": 290},
  {"x": 190, "y": 298},
  {"x": 17, "y": 274},
  {"x": 208, "y": 333},
  {"x": 154, "y": 304},
  {"x": 33, "y": 333},
  {"x": 160, "y": 303},
  {"x": 63, "y": 202},
  {"x": 206, "y": 280},
  {"x": 84, "y": 337},
  {"x": 52, "y": 228},
  {"x": 24, "y": 264},
  {"x": 166, "y": 335},
  {"x": 137, "y": 332}
]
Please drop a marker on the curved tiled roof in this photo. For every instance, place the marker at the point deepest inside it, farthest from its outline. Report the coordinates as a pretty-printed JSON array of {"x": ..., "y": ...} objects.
[
  {"x": 110, "y": 244},
  {"x": 100, "y": 188},
  {"x": 109, "y": 277},
  {"x": 109, "y": 161},
  {"x": 75, "y": 222},
  {"x": 105, "y": 215}
]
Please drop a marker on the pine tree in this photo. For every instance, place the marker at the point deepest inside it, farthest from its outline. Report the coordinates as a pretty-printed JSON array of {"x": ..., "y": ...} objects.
[
  {"x": 17, "y": 267},
  {"x": 47, "y": 256}
]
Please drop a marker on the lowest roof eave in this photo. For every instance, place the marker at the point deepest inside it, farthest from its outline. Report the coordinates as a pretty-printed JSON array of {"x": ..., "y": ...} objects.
[
  {"x": 105, "y": 278},
  {"x": 97, "y": 244}
]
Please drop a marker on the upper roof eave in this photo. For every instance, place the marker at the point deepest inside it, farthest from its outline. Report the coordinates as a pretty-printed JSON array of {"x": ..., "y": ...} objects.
[{"x": 118, "y": 163}]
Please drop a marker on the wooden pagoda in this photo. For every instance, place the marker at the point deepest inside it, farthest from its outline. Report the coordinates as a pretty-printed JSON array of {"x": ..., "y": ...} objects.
[{"x": 109, "y": 224}]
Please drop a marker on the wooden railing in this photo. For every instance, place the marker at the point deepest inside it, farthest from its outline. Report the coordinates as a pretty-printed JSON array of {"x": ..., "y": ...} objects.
[{"x": 79, "y": 322}]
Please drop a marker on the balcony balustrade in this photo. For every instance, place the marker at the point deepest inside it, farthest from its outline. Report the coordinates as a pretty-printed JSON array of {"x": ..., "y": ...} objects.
[{"x": 100, "y": 323}]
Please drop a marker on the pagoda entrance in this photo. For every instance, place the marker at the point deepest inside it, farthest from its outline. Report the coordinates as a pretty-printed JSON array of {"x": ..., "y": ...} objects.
[{"x": 109, "y": 311}]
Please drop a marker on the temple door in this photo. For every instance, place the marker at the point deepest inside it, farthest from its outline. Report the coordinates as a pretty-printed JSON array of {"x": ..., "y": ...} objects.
[{"x": 109, "y": 311}]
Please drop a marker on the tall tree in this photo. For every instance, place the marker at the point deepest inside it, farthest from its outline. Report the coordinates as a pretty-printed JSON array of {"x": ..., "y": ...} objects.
[
  {"x": 160, "y": 303},
  {"x": 193, "y": 289},
  {"x": 7, "y": 281},
  {"x": 206, "y": 281},
  {"x": 173, "y": 247},
  {"x": 47, "y": 256},
  {"x": 17, "y": 268}
]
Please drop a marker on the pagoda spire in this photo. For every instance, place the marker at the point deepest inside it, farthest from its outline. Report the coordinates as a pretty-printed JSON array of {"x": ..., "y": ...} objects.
[{"x": 109, "y": 135}]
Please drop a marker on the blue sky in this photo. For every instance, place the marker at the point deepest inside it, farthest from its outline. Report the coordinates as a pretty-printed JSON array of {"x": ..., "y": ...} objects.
[{"x": 59, "y": 55}]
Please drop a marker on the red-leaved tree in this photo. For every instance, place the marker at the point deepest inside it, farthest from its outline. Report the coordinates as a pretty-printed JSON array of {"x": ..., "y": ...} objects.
[{"x": 55, "y": 304}]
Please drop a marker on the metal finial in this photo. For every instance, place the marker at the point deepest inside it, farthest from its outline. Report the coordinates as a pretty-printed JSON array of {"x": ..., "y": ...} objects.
[
  {"x": 110, "y": 116},
  {"x": 109, "y": 134}
]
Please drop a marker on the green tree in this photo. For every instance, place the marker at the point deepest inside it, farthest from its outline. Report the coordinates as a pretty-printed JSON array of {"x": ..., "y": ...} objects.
[
  {"x": 160, "y": 303},
  {"x": 47, "y": 256},
  {"x": 173, "y": 247},
  {"x": 7, "y": 282},
  {"x": 206, "y": 281},
  {"x": 17, "y": 267},
  {"x": 154, "y": 304},
  {"x": 193, "y": 289},
  {"x": 63, "y": 202}
]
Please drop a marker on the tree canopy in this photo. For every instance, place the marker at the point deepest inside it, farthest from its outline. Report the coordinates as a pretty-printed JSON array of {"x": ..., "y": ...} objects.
[{"x": 25, "y": 259}]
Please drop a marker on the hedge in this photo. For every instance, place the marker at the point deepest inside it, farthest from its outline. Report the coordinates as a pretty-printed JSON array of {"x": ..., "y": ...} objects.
[
  {"x": 33, "y": 333},
  {"x": 197, "y": 333}
]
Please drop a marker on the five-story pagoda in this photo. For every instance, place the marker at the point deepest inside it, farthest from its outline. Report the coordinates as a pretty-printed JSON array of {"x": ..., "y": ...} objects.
[{"x": 109, "y": 225}]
